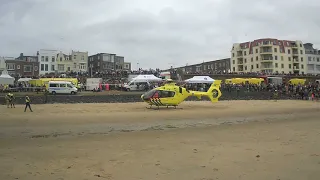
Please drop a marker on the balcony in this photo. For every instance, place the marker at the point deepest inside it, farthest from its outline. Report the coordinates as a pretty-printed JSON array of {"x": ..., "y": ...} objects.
[
  {"x": 239, "y": 53},
  {"x": 239, "y": 62},
  {"x": 266, "y": 44},
  {"x": 240, "y": 67},
  {"x": 266, "y": 67},
  {"x": 266, "y": 59}
]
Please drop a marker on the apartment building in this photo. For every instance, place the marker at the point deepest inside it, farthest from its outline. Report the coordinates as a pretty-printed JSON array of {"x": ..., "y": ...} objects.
[
  {"x": 313, "y": 59},
  {"x": 47, "y": 60},
  {"x": 80, "y": 61},
  {"x": 64, "y": 63},
  {"x": 215, "y": 66},
  {"x": 269, "y": 56},
  {"x": 106, "y": 62},
  {"x": 22, "y": 68}
]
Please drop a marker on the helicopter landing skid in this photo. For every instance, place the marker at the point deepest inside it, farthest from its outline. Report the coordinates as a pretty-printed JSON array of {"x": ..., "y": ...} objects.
[{"x": 158, "y": 107}]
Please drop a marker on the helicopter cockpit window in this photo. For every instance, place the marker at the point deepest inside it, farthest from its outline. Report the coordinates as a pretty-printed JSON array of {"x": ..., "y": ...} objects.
[
  {"x": 149, "y": 94},
  {"x": 166, "y": 94}
]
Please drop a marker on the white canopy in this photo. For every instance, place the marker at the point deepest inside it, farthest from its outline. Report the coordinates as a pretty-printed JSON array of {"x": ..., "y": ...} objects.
[
  {"x": 200, "y": 79},
  {"x": 145, "y": 78},
  {"x": 24, "y": 79},
  {"x": 5, "y": 78}
]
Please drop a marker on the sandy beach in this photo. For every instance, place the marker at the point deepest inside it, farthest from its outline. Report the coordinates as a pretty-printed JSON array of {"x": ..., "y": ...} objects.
[{"x": 247, "y": 140}]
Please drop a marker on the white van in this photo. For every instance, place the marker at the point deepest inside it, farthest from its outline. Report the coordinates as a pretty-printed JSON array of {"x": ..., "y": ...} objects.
[
  {"x": 136, "y": 86},
  {"x": 61, "y": 87}
]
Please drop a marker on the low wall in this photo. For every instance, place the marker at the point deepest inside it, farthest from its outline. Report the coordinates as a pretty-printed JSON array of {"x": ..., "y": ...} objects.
[{"x": 127, "y": 98}]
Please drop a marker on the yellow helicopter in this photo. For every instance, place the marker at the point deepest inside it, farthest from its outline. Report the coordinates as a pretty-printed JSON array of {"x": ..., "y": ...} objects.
[{"x": 172, "y": 95}]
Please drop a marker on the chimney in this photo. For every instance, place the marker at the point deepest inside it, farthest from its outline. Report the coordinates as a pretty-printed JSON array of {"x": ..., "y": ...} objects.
[
  {"x": 38, "y": 53},
  {"x": 21, "y": 55}
]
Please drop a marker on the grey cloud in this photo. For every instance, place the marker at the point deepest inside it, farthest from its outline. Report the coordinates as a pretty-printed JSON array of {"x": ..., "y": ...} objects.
[{"x": 153, "y": 33}]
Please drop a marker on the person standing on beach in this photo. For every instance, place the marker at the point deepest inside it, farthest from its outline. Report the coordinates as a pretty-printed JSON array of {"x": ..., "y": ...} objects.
[
  {"x": 27, "y": 104},
  {"x": 12, "y": 98}
]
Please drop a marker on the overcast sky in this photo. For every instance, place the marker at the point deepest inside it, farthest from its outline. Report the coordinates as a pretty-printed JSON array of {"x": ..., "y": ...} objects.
[{"x": 153, "y": 33}]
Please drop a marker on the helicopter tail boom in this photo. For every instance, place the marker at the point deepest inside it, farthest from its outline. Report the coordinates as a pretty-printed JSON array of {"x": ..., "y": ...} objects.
[{"x": 213, "y": 93}]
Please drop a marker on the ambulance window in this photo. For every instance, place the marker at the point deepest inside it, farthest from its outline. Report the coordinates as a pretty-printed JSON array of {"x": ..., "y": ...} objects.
[
  {"x": 180, "y": 90},
  {"x": 69, "y": 85},
  {"x": 63, "y": 85}
]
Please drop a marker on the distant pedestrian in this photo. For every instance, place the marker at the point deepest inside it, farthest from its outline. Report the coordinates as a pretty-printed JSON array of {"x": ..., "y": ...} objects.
[
  {"x": 11, "y": 100},
  {"x": 27, "y": 104}
]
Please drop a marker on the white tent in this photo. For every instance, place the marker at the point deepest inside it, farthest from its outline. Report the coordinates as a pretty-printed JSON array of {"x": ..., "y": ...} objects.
[
  {"x": 146, "y": 78},
  {"x": 5, "y": 78},
  {"x": 200, "y": 79}
]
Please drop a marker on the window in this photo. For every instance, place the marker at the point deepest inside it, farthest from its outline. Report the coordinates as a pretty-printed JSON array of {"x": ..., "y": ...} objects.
[
  {"x": 18, "y": 66},
  {"x": 63, "y": 85},
  {"x": 82, "y": 58},
  {"x": 275, "y": 50},
  {"x": 309, "y": 59},
  {"x": 302, "y": 66},
  {"x": 256, "y": 50},
  {"x": 275, "y": 57},
  {"x": 27, "y": 68},
  {"x": 257, "y": 65},
  {"x": 74, "y": 56},
  {"x": 47, "y": 58},
  {"x": 74, "y": 65},
  {"x": 69, "y": 69},
  {"x": 276, "y": 65},
  {"x": 35, "y": 68},
  {"x": 251, "y": 66},
  {"x": 166, "y": 94},
  {"x": 257, "y": 58},
  {"x": 52, "y": 68},
  {"x": 245, "y": 53},
  {"x": 233, "y": 69},
  {"x": 318, "y": 59},
  {"x": 289, "y": 58},
  {"x": 233, "y": 61},
  {"x": 69, "y": 86},
  {"x": 289, "y": 52},
  {"x": 42, "y": 58},
  {"x": 46, "y": 67},
  {"x": 60, "y": 58},
  {"x": 52, "y": 59},
  {"x": 42, "y": 67},
  {"x": 301, "y": 59},
  {"x": 282, "y": 66},
  {"x": 300, "y": 45},
  {"x": 289, "y": 66},
  {"x": 61, "y": 67},
  {"x": 82, "y": 66},
  {"x": 301, "y": 52},
  {"x": 232, "y": 56},
  {"x": 245, "y": 60},
  {"x": 281, "y": 58},
  {"x": 251, "y": 59},
  {"x": 245, "y": 68},
  {"x": 11, "y": 66},
  {"x": 54, "y": 85}
]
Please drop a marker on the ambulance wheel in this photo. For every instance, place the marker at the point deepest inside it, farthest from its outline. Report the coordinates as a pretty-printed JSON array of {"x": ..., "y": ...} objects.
[
  {"x": 53, "y": 92},
  {"x": 128, "y": 89},
  {"x": 72, "y": 92}
]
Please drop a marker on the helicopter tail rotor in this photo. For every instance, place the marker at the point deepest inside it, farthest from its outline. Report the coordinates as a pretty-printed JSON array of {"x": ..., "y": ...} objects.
[{"x": 214, "y": 92}]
